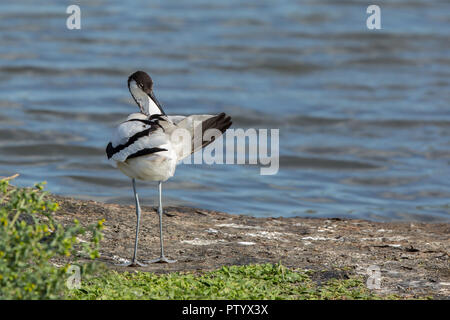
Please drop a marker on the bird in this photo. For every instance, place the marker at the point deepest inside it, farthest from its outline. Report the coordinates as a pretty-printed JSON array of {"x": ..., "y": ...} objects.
[{"x": 142, "y": 147}]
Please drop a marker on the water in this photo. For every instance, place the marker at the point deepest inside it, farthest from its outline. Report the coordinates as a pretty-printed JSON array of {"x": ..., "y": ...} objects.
[{"x": 364, "y": 116}]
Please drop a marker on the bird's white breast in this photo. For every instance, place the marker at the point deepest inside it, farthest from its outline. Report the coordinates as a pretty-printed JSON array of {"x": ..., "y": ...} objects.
[{"x": 155, "y": 167}]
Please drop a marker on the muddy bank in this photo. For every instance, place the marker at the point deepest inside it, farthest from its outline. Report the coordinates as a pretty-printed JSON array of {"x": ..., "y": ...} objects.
[{"x": 413, "y": 258}]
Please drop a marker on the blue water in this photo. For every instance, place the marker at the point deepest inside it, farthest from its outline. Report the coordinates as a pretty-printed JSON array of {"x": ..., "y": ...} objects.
[{"x": 364, "y": 115}]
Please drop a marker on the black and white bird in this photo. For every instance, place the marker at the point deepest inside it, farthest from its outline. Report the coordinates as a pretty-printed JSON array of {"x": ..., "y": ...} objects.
[{"x": 143, "y": 148}]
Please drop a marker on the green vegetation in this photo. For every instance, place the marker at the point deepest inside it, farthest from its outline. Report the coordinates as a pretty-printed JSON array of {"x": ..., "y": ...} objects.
[
  {"x": 36, "y": 252},
  {"x": 31, "y": 239},
  {"x": 263, "y": 281}
]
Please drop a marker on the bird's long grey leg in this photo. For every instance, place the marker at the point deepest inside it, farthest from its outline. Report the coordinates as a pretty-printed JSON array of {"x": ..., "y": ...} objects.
[
  {"x": 134, "y": 262},
  {"x": 162, "y": 258},
  {"x": 160, "y": 212}
]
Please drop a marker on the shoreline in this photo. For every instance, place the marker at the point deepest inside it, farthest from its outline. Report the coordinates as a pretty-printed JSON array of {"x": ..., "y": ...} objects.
[{"x": 412, "y": 257}]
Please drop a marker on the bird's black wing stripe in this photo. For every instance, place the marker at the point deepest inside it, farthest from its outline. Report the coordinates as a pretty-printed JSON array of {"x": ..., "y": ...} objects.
[
  {"x": 158, "y": 117},
  {"x": 145, "y": 151},
  {"x": 110, "y": 150},
  {"x": 149, "y": 122}
]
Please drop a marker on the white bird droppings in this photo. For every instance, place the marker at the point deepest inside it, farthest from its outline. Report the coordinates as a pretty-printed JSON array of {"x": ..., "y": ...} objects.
[
  {"x": 317, "y": 238},
  {"x": 121, "y": 260},
  {"x": 246, "y": 243},
  {"x": 267, "y": 235},
  {"x": 201, "y": 242},
  {"x": 237, "y": 226}
]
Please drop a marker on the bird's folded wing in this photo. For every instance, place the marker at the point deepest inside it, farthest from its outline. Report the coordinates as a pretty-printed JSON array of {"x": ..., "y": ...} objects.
[{"x": 136, "y": 137}]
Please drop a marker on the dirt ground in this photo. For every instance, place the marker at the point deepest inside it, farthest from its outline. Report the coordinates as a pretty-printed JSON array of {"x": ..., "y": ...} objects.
[{"x": 412, "y": 258}]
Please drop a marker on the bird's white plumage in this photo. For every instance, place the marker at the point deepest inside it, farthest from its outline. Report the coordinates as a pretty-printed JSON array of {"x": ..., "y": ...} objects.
[
  {"x": 128, "y": 129},
  {"x": 137, "y": 143},
  {"x": 158, "y": 166}
]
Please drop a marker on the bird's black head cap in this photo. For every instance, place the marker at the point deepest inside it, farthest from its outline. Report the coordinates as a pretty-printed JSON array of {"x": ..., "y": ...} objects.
[{"x": 143, "y": 80}]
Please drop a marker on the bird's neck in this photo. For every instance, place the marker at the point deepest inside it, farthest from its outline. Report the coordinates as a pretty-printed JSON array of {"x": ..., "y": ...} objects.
[
  {"x": 149, "y": 106},
  {"x": 145, "y": 102}
]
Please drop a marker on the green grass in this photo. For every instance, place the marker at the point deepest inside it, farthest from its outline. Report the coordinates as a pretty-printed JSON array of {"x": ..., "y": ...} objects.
[{"x": 262, "y": 281}]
